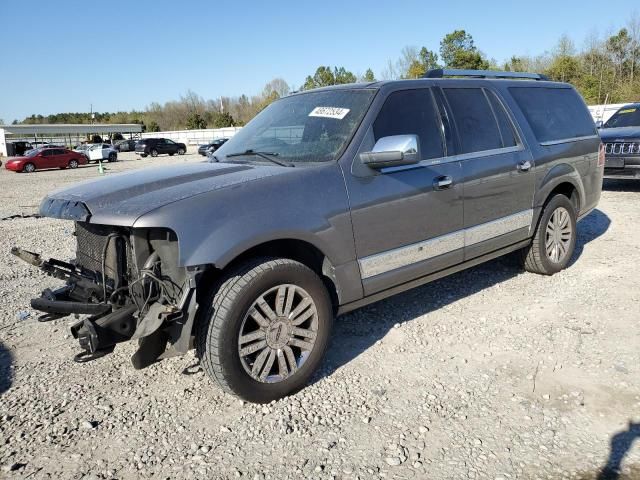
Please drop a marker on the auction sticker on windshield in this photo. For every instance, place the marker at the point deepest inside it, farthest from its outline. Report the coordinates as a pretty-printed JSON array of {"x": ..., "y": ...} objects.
[{"x": 329, "y": 112}]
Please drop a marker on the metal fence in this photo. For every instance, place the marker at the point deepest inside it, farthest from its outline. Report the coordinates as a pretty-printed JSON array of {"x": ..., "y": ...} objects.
[{"x": 194, "y": 137}]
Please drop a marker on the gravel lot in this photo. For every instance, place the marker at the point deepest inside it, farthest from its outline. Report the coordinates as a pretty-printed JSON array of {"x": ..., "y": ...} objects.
[{"x": 490, "y": 373}]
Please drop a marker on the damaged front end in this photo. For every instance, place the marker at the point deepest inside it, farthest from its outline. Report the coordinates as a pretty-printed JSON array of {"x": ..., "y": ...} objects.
[{"x": 128, "y": 284}]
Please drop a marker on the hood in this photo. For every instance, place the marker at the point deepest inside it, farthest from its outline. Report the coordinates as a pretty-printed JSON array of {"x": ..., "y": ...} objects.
[
  {"x": 121, "y": 199},
  {"x": 621, "y": 133}
]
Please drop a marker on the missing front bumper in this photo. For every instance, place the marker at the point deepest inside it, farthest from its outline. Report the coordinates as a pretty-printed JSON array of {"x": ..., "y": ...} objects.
[{"x": 158, "y": 323}]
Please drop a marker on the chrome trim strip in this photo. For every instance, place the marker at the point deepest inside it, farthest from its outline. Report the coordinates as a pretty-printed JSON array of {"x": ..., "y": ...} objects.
[
  {"x": 567, "y": 140},
  {"x": 454, "y": 158},
  {"x": 495, "y": 228},
  {"x": 417, "y": 252},
  {"x": 404, "y": 256}
]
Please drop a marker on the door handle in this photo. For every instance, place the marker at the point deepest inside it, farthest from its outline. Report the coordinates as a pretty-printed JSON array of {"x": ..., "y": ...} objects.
[
  {"x": 524, "y": 166},
  {"x": 442, "y": 183}
]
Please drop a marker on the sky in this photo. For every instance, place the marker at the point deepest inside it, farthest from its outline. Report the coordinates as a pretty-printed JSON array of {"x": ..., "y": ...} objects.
[{"x": 66, "y": 55}]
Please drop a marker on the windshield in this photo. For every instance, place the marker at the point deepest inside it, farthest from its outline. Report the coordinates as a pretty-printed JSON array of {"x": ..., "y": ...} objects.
[
  {"x": 625, "y": 117},
  {"x": 311, "y": 127},
  {"x": 32, "y": 153}
]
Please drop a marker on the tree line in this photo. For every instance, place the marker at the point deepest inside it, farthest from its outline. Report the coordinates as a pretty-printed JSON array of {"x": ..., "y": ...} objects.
[{"x": 606, "y": 69}]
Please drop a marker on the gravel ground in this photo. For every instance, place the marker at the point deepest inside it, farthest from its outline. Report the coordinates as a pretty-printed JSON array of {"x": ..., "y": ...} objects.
[{"x": 490, "y": 373}]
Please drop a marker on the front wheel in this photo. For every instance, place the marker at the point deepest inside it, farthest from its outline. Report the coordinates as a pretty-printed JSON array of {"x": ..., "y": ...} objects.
[
  {"x": 263, "y": 332},
  {"x": 113, "y": 157},
  {"x": 143, "y": 155},
  {"x": 555, "y": 238},
  {"x": 29, "y": 168},
  {"x": 181, "y": 151}
]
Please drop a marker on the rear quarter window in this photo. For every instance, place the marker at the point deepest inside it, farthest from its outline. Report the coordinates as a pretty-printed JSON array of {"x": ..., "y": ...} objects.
[{"x": 554, "y": 114}]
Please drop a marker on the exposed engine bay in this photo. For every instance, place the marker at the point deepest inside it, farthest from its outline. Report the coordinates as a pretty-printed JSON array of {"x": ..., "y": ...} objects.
[{"x": 127, "y": 285}]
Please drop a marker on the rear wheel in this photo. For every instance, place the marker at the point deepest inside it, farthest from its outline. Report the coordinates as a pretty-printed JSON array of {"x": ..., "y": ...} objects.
[
  {"x": 113, "y": 157},
  {"x": 29, "y": 168},
  {"x": 154, "y": 153},
  {"x": 555, "y": 238},
  {"x": 265, "y": 329},
  {"x": 73, "y": 163}
]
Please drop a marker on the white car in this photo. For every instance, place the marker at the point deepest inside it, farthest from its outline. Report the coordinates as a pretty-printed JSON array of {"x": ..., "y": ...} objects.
[{"x": 101, "y": 151}]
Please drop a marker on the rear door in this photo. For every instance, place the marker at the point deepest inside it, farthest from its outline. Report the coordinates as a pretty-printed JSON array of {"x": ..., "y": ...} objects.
[
  {"x": 161, "y": 146},
  {"x": 407, "y": 220},
  {"x": 497, "y": 168},
  {"x": 59, "y": 158},
  {"x": 95, "y": 152}
]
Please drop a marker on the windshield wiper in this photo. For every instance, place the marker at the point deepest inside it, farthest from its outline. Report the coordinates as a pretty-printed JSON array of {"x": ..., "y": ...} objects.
[{"x": 270, "y": 156}]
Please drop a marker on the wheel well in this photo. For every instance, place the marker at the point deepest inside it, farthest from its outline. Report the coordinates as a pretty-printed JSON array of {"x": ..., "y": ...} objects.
[
  {"x": 298, "y": 250},
  {"x": 568, "y": 190}
]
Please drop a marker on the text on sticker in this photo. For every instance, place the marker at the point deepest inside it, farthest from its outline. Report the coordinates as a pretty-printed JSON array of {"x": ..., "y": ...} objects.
[{"x": 329, "y": 112}]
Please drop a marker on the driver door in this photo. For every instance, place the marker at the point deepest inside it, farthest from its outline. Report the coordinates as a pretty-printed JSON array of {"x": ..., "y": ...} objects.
[{"x": 407, "y": 220}]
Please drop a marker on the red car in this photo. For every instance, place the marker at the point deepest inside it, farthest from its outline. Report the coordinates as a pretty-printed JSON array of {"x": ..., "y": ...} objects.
[{"x": 46, "y": 158}]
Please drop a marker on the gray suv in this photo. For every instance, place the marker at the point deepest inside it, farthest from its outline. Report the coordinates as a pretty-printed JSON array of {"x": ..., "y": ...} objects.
[{"x": 328, "y": 200}]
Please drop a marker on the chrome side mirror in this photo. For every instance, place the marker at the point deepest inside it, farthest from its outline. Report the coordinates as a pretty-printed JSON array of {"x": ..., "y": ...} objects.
[{"x": 393, "y": 151}]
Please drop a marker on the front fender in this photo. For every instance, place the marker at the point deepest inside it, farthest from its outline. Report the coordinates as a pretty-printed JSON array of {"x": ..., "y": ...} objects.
[{"x": 308, "y": 203}]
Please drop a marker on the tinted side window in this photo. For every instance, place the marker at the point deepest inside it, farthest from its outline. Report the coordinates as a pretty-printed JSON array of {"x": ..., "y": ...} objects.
[
  {"x": 411, "y": 112},
  {"x": 474, "y": 118},
  {"x": 506, "y": 128},
  {"x": 554, "y": 113}
]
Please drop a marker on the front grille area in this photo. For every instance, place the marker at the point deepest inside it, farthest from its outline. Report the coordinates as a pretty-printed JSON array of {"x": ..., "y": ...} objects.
[
  {"x": 620, "y": 148},
  {"x": 91, "y": 241}
]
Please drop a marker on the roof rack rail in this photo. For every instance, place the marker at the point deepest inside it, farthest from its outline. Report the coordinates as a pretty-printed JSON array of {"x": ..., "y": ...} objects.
[{"x": 450, "y": 72}]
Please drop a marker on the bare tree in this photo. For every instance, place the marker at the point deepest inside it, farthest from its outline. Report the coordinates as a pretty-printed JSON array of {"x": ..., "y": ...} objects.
[{"x": 633, "y": 27}]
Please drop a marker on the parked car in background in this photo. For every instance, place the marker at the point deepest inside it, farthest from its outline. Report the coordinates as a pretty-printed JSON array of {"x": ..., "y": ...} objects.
[
  {"x": 101, "y": 151},
  {"x": 211, "y": 147},
  {"x": 82, "y": 148},
  {"x": 44, "y": 146},
  {"x": 44, "y": 158},
  {"x": 621, "y": 138},
  {"x": 396, "y": 184},
  {"x": 126, "y": 145},
  {"x": 19, "y": 148},
  {"x": 159, "y": 146}
]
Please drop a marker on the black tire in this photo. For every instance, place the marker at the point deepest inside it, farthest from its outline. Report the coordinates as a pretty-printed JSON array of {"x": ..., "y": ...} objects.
[
  {"x": 171, "y": 154},
  {"x": 154, "y": 153},
  {"x": 536, "y": 258},
  {"x": 73, "y": 163},
  {"x": 29, "y": 168},
  {"x": 181, "y": 151},
  {"x": 222, "y": 315},
  {"x": 143, "y": 155},
  {"x": 113, "y": 157}
]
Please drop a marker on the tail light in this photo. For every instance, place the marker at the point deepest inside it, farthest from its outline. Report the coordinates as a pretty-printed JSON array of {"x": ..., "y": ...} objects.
[{"x": 601, "y": 156}]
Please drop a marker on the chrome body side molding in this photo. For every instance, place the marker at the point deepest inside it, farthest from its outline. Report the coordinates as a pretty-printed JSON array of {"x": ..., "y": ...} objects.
[{"x": 407, "y": 255}]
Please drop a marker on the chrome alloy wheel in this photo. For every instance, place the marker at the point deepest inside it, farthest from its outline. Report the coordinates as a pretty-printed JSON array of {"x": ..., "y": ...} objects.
[
  {"x": 558, "y": 235},
  {"x": 278, "y": 333}
]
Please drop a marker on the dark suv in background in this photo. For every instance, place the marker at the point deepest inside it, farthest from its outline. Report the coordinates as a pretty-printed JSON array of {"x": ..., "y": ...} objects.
[
  {"x": 396, "y": 183},
  {"x": 211, "y": 147},
  {"x": 158, "y": 146},
  {"x": 621, "y": 138}
]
